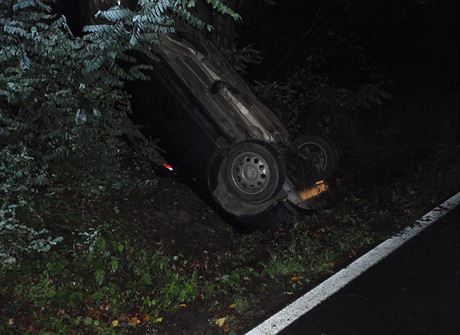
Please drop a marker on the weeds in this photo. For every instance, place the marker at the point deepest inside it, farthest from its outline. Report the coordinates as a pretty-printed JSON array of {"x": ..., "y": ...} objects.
[
  {"x": 114, "y": 280},
  {"x": 110, "y": 276}
]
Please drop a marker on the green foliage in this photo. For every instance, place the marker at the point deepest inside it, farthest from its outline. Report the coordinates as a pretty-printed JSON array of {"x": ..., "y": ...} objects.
[
  {"x": 52, "y": 129},
  {"x": 111, "y": 280},
  {"x": 221, "y": 8},
  {"x": 119, "y": 273},
  {"x": 242, "y": 58},
  {"x": 62, "y": 107},
  {"x": 311, "y": 253},
  {"x": 309, "y": 99}
]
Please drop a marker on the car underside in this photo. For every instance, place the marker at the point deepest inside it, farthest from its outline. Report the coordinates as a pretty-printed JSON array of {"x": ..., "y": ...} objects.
[
  {"x": 218, "y": 133},
  {"x": 221, "y": 133}
]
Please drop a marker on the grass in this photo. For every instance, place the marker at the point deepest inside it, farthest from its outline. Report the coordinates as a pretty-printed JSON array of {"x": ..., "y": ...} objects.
[
  {"x": 87, "y": 290},
  {"x": 137, "y": 263}
]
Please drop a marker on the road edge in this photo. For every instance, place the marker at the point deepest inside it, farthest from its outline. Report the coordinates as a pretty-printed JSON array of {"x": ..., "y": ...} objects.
[{"x": 339, "y": 280}]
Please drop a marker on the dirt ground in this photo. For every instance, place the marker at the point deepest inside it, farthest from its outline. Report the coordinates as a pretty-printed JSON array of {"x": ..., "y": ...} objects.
[{"x": 187, "y": 225}]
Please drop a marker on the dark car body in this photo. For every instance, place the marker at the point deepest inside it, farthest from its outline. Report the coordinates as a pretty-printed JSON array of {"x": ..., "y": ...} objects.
[{"x": 203, "y": 112}]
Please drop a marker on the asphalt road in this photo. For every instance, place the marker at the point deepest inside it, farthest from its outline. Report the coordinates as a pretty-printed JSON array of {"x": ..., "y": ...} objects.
[{"x": 416, "y": 290}]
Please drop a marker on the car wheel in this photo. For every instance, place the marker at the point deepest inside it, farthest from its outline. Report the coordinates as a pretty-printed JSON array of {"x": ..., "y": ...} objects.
[
  {"x": 320, "y": 150},
  {"x": 252, "y": 172}
]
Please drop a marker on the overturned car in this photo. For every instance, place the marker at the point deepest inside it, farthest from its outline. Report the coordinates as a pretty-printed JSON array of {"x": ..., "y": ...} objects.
[
  {"x": 215, "y": 131},
  {"x": 219, "y": 134}
]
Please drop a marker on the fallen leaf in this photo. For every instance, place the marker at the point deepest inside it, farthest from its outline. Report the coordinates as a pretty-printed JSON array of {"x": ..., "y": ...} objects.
[
  {"x": 31, "y": 329},
  {"x": 183, "y": 305},
  {"x": 232, "y": 306},
  {"x": 114, "y": 323},
  {"x": 158, "y": 320},
  {"x": 134, "y": 321},
  {"x": 220, "y": 322},
  {"x": 296, "y": 278}
]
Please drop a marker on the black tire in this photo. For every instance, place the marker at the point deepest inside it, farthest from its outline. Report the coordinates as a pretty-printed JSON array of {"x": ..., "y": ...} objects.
[
  {"x": 252, "y": 172},
  {"x": 321, "y": 150}
]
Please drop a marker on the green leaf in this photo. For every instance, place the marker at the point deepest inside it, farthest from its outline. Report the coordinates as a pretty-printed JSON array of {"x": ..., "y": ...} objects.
[
  {"x": 133, "y": 40},
  {"x": 120, "y": 247},
  {"x": 114, "y": 264},
  {"x": 99, "y": 276},
  {"x": 88, "y": 321},
  {"x": 96, "y": 112},
  {"x": 80, "y": 117},
  {"x": 146, "y": 279}
]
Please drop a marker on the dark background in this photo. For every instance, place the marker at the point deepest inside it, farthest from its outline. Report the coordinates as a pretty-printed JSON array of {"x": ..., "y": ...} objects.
[
  {"x": 411, "y": 38},
  {"x": 413, "y": 46}
]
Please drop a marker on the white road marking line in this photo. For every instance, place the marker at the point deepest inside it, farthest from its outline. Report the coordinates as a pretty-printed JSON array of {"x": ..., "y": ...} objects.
[{"x": 311, "y": 299}]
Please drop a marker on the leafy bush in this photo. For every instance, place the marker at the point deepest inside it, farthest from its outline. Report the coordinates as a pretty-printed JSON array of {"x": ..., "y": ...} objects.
[
  {"x": 62, "y": 107},
  {"x": 112, "y": 280},
  {"x": 60, "y": 121},
  {"x": 308, "y": 100}
]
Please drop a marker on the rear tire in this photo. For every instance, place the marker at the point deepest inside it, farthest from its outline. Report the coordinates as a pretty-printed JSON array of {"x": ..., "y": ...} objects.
[{"x": 320, "y": 150}]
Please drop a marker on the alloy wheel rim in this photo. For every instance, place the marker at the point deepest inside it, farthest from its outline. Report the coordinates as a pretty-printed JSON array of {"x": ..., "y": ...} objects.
[{"x": 250, "y": 173}]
